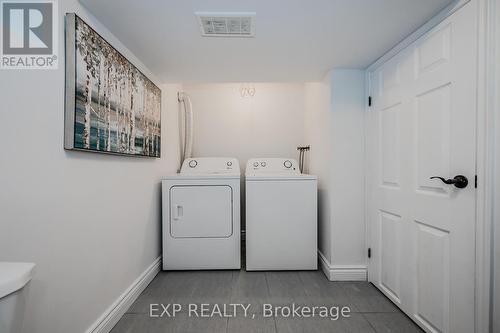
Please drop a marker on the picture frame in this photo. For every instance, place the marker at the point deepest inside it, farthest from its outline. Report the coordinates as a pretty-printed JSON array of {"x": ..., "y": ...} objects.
[{"x": 110, "y": 105}]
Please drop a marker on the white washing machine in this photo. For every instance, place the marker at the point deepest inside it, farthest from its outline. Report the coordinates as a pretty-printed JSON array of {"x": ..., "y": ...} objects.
[
  {"x": 281, "y": 216},
  {"x": 201, "y": 215}
]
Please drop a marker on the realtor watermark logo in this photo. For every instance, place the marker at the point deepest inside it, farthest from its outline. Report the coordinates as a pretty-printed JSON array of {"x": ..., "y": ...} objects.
[{"x": 29, "y": 34}]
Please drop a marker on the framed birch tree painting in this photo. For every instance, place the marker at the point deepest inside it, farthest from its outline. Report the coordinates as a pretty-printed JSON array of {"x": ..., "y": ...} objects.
[{"x": 111, "y": 106}]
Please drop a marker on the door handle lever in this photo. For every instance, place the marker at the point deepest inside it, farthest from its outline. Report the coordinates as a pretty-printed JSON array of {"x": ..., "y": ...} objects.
[{"x": 459, "y": 181}]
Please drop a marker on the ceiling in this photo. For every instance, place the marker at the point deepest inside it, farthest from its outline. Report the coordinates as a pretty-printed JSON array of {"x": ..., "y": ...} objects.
[{"x": 296, "y": 40}]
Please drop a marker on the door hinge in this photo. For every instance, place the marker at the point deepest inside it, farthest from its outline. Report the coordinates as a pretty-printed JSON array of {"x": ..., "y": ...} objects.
[
  {"x": 369, "y": 101},
  {"x": 369, "y": 252},
  {"x": 475, "y": 181}
]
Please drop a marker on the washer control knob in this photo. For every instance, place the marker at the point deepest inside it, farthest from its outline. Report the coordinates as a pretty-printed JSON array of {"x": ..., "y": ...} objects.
[
  {"x": 229, "y": 163},
  {"x": 287, "y": 164},
  {"x": 255, "y": 164},
  {"x": 193, "y": 163},
  {"x": 263, "y": 164}
]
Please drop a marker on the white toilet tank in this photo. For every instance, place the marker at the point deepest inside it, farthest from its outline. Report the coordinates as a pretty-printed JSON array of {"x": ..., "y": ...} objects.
[{"x": 14, "y": 279}]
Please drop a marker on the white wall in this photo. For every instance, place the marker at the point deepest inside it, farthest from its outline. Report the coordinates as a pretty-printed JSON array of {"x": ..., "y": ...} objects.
[
  {"x": 496, "y": 229},
  {"x": 348, "y": 228},
  {"x": 270, "y": 124},
  {"x": 496, "y": 196},
  {"x": 496, "y": 237},
  {"x": 334, "y": 127},
  {"x": 318, "y": 134},
  {"x": 90, "y": 222}
]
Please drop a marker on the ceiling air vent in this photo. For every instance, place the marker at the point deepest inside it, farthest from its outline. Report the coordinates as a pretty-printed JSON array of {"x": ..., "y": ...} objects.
[{"x": 227, "y": 24}]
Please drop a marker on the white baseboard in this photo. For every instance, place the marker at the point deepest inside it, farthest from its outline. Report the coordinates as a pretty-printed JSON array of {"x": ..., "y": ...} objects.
[
  {"x": 342, "y": 272},
  {"x": 112, "y": 314}
]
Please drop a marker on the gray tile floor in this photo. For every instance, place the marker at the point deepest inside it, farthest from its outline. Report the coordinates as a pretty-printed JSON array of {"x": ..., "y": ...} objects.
[{"x": 371, "y": 311}]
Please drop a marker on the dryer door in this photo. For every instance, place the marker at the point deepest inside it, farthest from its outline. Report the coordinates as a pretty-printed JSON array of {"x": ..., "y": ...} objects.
[{"x": 201, "y": 211}]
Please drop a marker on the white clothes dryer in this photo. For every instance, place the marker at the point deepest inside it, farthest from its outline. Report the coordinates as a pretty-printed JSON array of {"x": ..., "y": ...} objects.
[{"x": 201, "y": 215}]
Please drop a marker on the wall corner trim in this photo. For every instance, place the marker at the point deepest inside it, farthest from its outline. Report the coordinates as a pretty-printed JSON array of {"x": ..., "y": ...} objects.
[
  {"x": 113, "y": 314},
  {"x": 342, "y": 272}
]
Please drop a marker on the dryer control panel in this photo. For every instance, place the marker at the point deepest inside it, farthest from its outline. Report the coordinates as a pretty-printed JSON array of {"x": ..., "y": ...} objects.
[
  {"x": 272, "y": 166},
  {"x": 210, "y": 165}
]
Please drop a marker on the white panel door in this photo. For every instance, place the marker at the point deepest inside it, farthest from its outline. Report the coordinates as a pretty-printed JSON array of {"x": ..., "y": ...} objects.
[
  {"x": 422, "y": 124},
  {"x": 201, "y": 211}
]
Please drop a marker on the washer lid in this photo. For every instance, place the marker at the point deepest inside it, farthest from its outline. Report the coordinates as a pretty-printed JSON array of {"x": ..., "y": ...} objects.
[
  {"x": 279, "y": 177},
  {"x": 14, "y": 276}
]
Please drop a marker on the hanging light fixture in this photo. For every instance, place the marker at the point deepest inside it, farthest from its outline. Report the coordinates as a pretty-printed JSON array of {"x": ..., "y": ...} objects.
[{"x": 247, "y": 89}]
